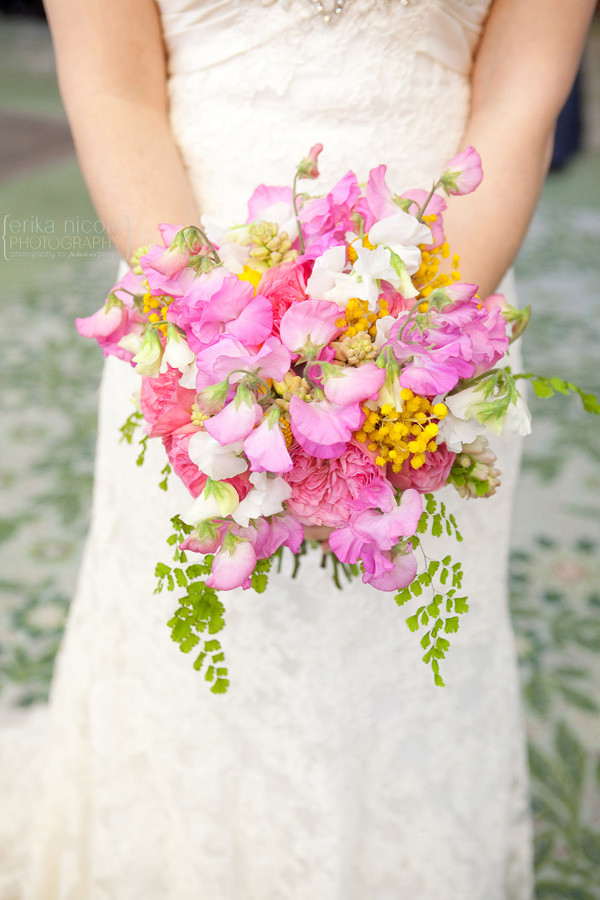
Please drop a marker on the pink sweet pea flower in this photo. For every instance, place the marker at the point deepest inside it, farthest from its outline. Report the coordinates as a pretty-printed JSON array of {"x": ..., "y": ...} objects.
[
  {"x": 331, "y": 216},
  {"x": 218, "y": 362},
  {"x": 436, "y": 206},
  {"x": 278, "y": 531},
  {"x": 403, "y": 572},
  {"x": 165, "y": 269},
  {"x": 323, "y": 428},
  {"x": 265, "y": 447},
  {"x": 222, "y": 304},
  {"x": 464, "y": 172},
  {"x": 350, "y": 384},
  {"x": 432, "y": 372},
  {"x": 371, "y": 533},
  {"x": 265, "y": 198},
  {"x": 109, "y": 326},
  {"x": 209, "y": 544},
  {"x": 308, "y": 168},
  {"x": 233, "y": 565},
  {"x": 236, "y": 420},
  {"x": 378, "y": 194},
  {"x": 309, "y": 325}
]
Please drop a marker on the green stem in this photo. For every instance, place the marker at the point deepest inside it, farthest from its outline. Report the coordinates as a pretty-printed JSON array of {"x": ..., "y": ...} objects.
[
  {"x": 211, "y": 246},
  {"x": 252, "y": 375},
  {"x": 410, "y": 317},
  {"x": 297, "y": 214},
  {"x": 427, "y": 201}
]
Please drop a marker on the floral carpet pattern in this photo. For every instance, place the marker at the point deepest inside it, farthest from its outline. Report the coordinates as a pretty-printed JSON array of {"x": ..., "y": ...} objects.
[{"x": 49, "y": 381}]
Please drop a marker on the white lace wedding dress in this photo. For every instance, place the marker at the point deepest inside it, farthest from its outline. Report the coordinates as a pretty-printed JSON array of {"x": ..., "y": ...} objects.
[{"x": 333, "y": 769}]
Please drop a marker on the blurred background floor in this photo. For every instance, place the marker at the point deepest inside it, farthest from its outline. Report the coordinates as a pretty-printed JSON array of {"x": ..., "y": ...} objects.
[{"x": 49, "y": 381}]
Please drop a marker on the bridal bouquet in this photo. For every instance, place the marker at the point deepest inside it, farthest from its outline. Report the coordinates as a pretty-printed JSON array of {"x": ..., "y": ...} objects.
[{"x": 322, "y": 364}]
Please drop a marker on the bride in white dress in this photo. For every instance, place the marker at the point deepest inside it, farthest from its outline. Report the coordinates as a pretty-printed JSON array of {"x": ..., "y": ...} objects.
[{"x": 333, "y": 769}]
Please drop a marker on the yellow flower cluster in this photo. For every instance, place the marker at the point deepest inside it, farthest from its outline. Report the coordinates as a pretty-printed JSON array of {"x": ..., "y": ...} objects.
[
  {"x": 358, "y": 318},
  {"x": 198, "y": 417},
  {"x": 160, "y": 305},
  {"x": 286, "y": 430},
  {"x": 428, "y": 278},
  {"x": 396, "y": 435}
]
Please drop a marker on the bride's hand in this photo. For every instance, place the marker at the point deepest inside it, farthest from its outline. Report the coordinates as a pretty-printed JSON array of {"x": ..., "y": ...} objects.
[{"x": 317, "y": 533}]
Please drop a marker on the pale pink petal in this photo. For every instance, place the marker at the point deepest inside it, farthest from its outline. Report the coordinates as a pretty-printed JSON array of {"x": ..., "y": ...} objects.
[
  {"x": 266, "y": 449},
  {"x": 324, "y": 422},
  {"x": 313, "y": 320},
  {"x": 234, "y": 422},
  {"x": 231, "y": 568},
  {"x": 404, "y": 571},
  {"x": 463, "y": 173},
  {"x": 354, "y": 384}
]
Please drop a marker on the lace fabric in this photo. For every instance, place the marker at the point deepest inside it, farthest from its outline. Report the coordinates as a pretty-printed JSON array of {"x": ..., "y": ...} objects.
[{"x": 333, "y": 768}]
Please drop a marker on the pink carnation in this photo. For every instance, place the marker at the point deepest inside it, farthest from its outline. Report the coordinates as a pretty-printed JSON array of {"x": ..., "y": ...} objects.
[
  {"x": 176, "y": 444},
  {"x": 324, "y": 491},
  {"x": 165, "y": 404},
  {"x": 430, "y": 477},
  {"x": 283, "y": 285}
]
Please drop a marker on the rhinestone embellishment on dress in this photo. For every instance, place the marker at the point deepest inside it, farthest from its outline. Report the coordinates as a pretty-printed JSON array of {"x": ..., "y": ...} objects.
[{"x": 330, "y": 13}]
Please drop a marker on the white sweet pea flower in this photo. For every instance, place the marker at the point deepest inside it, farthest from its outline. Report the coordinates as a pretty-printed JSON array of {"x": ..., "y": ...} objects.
[
  {"x": 455, "y": 432},
  {"x": 464, "y": 404},
  {"x": 188, "y": 376},
  {"x": 214, "y": 460},
  {"x": 383, "y": 327},
  {"x": 132, "y": 342},
  {"x": 177, "y": 353},
  {"x": 325, "y": 271},
  {"x": 217, "y": 500},
  {"x": 402, "y": 233},
  {"x": 232, "y": 242},
  {"x": 265, "y": 499},
  {"x": 471, "y": 405},
  {"x": 517, "y": 419},
  {"x": 149, "y": 356}
]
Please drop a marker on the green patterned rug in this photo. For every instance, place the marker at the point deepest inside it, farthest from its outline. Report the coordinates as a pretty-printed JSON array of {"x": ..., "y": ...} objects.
[{"x": 49, "y": 379}]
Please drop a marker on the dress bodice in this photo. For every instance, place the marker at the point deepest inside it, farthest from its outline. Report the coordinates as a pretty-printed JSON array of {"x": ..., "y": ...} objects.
[{"x": 254, "y": 84}]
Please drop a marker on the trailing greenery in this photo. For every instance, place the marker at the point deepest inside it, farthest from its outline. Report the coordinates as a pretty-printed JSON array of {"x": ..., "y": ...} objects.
[
  {"x": 443, "y": 579},
  {"x": 200, "y": 614},
  {"x": 548, "y": 387}
]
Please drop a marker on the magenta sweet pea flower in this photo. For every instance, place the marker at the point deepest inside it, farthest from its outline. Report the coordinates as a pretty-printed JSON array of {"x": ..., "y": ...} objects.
[
  {"x": 331, "y": 215},
  {"x": 269, "y": 534},
  {"x": 349, "y": 385},
  {"x": 371, "y": 534},
  {"x": 222, "y": 304},
  {"x": 464, "y": 172},
  {"x": 281, "y": 530}
]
